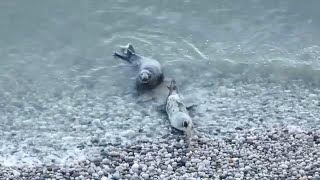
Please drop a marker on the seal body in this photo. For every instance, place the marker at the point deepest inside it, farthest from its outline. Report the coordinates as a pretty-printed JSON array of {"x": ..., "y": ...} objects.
[
  {"x": 150, "y": 73},
  {"x": 177, "y": 111}
]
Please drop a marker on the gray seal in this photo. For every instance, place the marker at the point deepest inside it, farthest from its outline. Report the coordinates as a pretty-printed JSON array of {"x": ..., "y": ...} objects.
[
  {"x": 150, "y": 73},
  {"x": 177, "y": 111}
]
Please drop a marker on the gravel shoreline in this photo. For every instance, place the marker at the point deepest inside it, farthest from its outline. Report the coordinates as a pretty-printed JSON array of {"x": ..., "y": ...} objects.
[
  {"x": 276, "y": 153},
  {"x": 43, "y": 128}
]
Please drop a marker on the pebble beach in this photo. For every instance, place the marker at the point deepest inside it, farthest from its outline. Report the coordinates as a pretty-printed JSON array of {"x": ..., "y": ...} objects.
[
  {"x": 268, "y": 141},
  {"x": 250, "y": 70},
  {"x": 277, "y": 153}
]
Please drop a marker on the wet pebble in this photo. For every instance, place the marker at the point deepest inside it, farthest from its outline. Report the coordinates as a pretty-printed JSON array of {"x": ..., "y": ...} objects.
[{"x": 253, "y": 159}]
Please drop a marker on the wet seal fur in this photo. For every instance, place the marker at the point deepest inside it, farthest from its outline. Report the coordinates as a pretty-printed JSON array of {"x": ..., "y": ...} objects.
[
  {"x": 150, "y": 70},
  {"x": 177, "y": 112}
]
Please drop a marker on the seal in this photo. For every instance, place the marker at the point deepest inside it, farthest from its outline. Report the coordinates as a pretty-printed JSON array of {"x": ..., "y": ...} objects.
[
  {"x": 150, "y": 71},
  {"x": 177, "y": 112}
]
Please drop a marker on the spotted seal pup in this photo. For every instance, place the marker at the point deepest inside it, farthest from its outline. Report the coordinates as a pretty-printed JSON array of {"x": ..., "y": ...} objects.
[
  {"x": 177, "y": 111},
  {"x": 150, "y": 71}
]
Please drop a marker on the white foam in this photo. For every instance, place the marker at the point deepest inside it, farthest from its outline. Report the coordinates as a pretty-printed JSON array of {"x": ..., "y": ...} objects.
[{"x": 195, "y": 49}]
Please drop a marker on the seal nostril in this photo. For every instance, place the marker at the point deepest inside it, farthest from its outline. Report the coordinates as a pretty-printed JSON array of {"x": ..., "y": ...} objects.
[{"x": 144, "y": 77}]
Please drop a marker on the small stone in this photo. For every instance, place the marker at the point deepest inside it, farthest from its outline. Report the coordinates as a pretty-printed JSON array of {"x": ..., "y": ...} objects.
[
  {"x": 97, "y": 160},
  {"x": 97, "y": 123},
  {"x": 163, "y": 167},
  {"x": 100, "y": 173},
  {"x": 169, "y": 149},
  {"x": 106, "y": 161},
  {"x": 237, "y": 175},
  {"x": 91, "y": 170},
  {"x": 95, "y": 175},
  {"x": 110, "y": 170},
  {"x": 118, "y": 168},
  {"x": 301, "y": 172},
  {"x": 206, "y": 162},
  {"x": 182, "y": 162},
  {"x": 181, "y": 142},
  {"x": 75, "y": 174},
  {"x": 307, "y": 168},
  {"x": 201, "y": 167},
  {"x": 241, "y": 165},
  {"x": 283, "y": 166},
  {"x": 115, "y": 176},
  {"x": 144, "y": 169},
  {"x": 151, "y": 168},
  {"x": 168, "y": 155},
  {"x": 162, "y": 176},
  {"x": 247, "y": 168},
  {"x": 114, "y": 154},
  {"x": 135, "y": 168},
  {"x": 135, "y": 176},
  {"x": 195, "y": 160},
  {"x": 145, "y": 175},
  {"x": 16, "y": 173}
]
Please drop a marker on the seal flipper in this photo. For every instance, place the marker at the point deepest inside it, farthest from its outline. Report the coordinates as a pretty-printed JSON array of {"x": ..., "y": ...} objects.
[
  {"x": 128, "y": 52},
  {"x": 172, "y": 87},
  {"x": 130, "y": 47},
  {"x": 176, "y": 131},
  {"x": 162, "y": 109},
  {"x": 190, "y": 108},
  {"x": 125, "y": 49},
  {"x": 121, "y": 57}
]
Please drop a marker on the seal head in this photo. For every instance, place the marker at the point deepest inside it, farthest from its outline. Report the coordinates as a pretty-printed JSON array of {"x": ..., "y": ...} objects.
[
  {"x": 182, "y": 122},
  {"x": 145, "y": 76}
]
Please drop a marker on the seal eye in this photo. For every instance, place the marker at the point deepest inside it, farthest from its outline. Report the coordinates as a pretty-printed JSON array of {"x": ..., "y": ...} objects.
[{"x": 185, "y": 124}]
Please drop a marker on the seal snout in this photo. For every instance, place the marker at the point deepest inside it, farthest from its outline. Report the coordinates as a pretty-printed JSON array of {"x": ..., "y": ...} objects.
[
  {"x": 144, "y": 77},
  {"x": 185, "y": 124}
]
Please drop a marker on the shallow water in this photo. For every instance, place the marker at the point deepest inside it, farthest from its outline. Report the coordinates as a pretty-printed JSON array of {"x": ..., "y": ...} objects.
[{"x": 252, "y": 64}]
